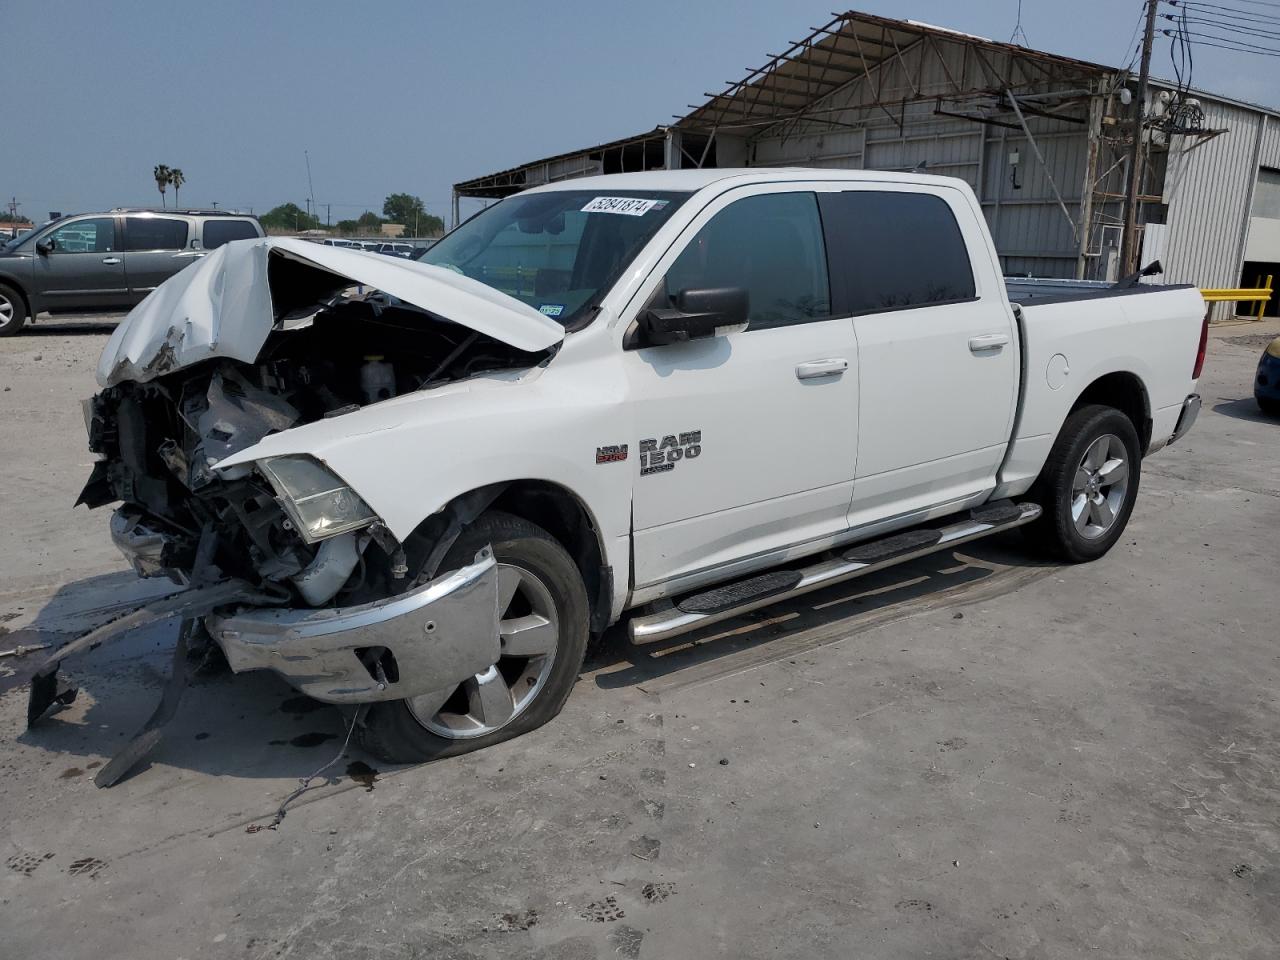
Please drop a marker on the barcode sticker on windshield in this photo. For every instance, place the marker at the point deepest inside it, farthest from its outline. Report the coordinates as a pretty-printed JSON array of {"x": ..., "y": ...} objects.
[{"x": 627, "y": 206}]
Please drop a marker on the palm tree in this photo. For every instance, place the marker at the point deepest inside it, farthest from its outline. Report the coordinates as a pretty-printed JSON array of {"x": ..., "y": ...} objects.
[
  {"x": 177, "y": 179},
  {"x": 162, "y": 174}
]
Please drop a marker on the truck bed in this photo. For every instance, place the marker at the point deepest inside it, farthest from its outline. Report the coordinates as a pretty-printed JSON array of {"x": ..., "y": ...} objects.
[{"x": 1025, "y": 290}]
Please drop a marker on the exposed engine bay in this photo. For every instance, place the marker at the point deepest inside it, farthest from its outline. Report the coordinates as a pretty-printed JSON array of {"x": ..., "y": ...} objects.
[{"x": 159, "y": 440}]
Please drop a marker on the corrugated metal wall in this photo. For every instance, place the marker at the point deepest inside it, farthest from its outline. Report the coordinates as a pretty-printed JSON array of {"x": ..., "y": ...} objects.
[
  {"x": 1269, "y": 154},
  {"x": 1208, "y": 190}
]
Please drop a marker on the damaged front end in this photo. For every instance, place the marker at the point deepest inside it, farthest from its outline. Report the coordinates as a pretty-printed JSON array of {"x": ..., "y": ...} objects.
[
  {"x": 286, "y": 524},
  {"x": 334, "y": 611},
  {"x": 303, "y": 576}
]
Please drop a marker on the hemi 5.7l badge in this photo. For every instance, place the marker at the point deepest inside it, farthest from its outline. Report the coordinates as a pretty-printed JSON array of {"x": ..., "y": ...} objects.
[
  {"x": 662, "y": 457},
  {"x": 614, "y": 453}
]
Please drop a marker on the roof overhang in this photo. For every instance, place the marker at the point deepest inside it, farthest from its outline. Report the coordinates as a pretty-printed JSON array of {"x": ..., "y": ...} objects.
[
  {"x": 853, "y": 48},
  {"x": 642, "y": 151}
]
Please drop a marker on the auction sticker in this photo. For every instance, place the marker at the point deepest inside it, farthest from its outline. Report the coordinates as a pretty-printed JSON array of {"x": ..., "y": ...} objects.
[
  {"x": 627, "y": 206},
  {"x": 551, "y": 309}
]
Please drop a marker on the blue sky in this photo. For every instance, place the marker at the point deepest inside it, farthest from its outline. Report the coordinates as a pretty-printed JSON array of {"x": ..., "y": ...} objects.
[{"x": 412, "y": 96}]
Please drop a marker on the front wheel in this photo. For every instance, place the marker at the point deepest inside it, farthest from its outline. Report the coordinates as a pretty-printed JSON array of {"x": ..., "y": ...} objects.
[
  {"x": 543, "y": 629},
  {"x": 1088, "y": 485},
  {"x": 1268, "y": 405},
  {"x": 13, "y": 311}
]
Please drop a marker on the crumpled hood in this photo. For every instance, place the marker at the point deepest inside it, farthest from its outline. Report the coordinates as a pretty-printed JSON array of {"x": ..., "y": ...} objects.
[{"x": 222, "y": 306}]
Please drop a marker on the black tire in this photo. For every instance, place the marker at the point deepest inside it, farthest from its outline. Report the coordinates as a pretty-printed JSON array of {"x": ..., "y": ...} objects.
[
  {"x": 13, "y": 311},
  {"x": 1056, "y": 532},
  {"x": 1268, "y": 405},
  {"x": 390, "y": 730}
]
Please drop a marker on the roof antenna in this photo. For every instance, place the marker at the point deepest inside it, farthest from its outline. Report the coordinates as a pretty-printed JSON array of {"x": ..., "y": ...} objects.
[{"x": 1018, "y": 31}]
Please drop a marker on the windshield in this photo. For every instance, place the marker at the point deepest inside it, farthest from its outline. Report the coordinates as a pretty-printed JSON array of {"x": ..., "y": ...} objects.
[{"x": 558, "y": 251}]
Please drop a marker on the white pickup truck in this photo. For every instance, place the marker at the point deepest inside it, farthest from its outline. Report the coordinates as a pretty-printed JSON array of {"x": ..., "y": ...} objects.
[{"x": 422, "y": 487}]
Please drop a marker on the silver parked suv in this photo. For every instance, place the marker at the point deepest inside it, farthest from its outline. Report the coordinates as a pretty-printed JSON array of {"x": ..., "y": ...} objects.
[{"x": 106, "y": 261}]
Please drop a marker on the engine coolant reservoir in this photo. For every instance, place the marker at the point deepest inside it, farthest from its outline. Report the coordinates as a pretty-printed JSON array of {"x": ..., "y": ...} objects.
[{"x": 377, "y": 379}]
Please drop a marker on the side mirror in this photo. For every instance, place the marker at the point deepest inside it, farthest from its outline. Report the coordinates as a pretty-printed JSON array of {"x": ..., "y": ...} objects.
[
  {"x": 696, "y": 316},
  {"x": 44, "y": 245}
]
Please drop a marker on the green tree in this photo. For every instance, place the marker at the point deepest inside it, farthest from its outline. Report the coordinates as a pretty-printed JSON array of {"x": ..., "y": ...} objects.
[
  {"x": 290, "y": 217},
  {"x": 177, "y": 178},
  {"x": 412, "y": 212},
  {"x": 347, "y": 227},
  {"x": 161, "y": 173},
  {"x": 369, "y": 222}
]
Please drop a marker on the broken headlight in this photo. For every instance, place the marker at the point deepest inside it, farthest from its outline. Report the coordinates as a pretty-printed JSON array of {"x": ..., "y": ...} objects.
[{"x": 318, "y": 502}]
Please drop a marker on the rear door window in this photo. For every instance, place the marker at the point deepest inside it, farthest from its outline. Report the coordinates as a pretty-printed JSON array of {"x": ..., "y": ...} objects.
[
  {"x": 218, "y": 232},
  {"x": 770, "y": 245},
  {"x": 154, "y": 233},
  {"x": 892, "y": 250}
]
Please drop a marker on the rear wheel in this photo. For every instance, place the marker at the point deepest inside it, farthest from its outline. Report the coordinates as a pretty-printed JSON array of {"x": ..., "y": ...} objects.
[
  {"x": 13, "y": 311},
  {"x": 1268, "y": 405},
  {"x": 1088, "y": 485},
  {"x": 542, "y": 625}
]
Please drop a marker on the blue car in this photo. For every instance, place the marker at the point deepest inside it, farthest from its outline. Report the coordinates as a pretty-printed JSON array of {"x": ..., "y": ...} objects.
[{"x": 1266, "y": 386}]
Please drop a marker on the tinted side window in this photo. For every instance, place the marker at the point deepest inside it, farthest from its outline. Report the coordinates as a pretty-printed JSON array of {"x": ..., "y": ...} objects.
[
  {"x": 218, "y": 232},
  {"x": 97, "y": 235},
  {"x": 772, "y": 246},
  {"x": 894, "y": 250},
  {"x": 154, "y": 233}
]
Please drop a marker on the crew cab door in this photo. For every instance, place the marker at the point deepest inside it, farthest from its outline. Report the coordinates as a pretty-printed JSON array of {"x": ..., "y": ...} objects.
[
  {"x": 745, "y": 442},
  {"x": 155, "y": 248},
  {"x": 938, "y": 358},
  {"x": 81, "y": 266}
]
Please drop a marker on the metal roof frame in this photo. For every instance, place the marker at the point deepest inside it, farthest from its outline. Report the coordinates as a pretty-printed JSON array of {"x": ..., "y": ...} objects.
[
  {"x": 797, "y": 85},
  {"x": 852, "y": 48}
]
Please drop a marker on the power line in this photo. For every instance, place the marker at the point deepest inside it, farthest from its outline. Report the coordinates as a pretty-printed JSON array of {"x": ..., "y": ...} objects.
[
  {"x": 1223, "y": 46},
  {"x": 1274, "y": 4},
  {"x": 1219, "y": 10},
  {"x": 1268, "y": 34},
  {"x": 1220, "y": 14},
  {"x": 1227, "y": 43},
  {"x": 1201, "y": 32}
]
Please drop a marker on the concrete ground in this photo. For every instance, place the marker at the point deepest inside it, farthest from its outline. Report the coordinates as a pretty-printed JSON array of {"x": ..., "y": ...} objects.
[{"x": 975, "y": 756}]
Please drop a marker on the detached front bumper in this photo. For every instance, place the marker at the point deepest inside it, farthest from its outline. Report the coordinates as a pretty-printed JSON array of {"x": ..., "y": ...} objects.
[{"x": 431, "y": 638}]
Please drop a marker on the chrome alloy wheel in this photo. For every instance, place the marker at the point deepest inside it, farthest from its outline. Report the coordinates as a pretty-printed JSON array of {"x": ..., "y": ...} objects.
[
  {"x": 529, "y": 631},
  {"x": 1100, "y": 486},
  {"x": 6, "y": 310}
]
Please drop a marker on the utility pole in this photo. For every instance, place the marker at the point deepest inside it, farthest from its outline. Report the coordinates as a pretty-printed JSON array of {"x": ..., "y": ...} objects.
[
  {"x": 1129, "y": 251},
  {"x": 311, "y": 190}
]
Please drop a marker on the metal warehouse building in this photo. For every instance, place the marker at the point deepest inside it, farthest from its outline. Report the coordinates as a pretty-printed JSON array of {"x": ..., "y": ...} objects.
[{"x": 1044, "y": 140}]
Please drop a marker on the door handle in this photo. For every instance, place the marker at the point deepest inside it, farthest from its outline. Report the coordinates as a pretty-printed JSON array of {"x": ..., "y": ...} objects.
[
  {"x": 188, "y": 255},
  {"x": 991, "y": 341},
  {"x": 111, "y": 260},
  {"x": 815, "y": 369}
]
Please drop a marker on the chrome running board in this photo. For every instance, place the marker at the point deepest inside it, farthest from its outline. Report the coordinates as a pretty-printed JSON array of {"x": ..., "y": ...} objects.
[{"x": 736, "y": 598}]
